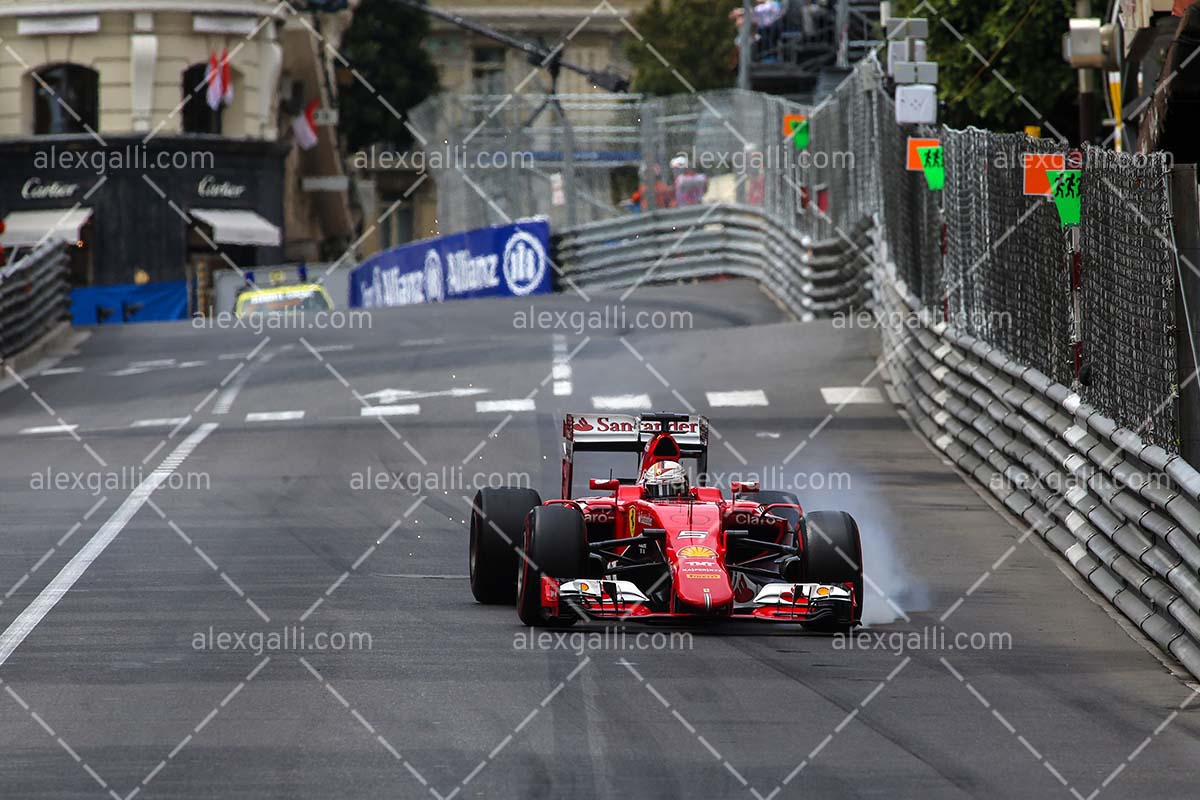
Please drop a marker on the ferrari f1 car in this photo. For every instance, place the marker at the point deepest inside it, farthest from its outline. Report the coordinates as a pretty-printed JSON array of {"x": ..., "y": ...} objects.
[{"x": 654, "y": 547}]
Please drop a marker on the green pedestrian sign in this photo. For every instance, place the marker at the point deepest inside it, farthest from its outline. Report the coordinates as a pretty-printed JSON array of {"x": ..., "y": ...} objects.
[
  {"x": 1066, "y": 186},
  {"x": 932, "y": 160}
]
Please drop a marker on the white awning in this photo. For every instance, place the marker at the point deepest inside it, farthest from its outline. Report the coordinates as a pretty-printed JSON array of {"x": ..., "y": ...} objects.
[
  {"x": 27, "y": 228},
  {"x": 239, "y": 227}
]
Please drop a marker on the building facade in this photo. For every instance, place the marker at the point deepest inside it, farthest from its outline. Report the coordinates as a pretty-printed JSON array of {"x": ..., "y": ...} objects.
[
  {"x": 472, "y": 65},
  {"x": 111, "y": 136}
]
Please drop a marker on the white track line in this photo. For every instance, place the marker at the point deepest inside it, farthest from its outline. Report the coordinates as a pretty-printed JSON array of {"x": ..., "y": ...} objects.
[
  {"x": 843, "y": 395},
  {"x": 50, "y": 429},
  {"x": 561, "y": 371},
  {"x": 749, "y": 397},
  {"x": 168, "y": 422},
  {"x": 230, "y": 392},
  {"x": 488, "y": 406},
  {"x": 58, "y": 587},
  {"x": 273, "y": 416},
  {"x": 391, "y": 411},
  {"x": 621, "y": 402}
]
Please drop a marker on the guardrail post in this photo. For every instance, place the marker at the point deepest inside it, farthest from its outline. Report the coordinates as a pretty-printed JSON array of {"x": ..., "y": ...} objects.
[{"x": 1185, "y": 213}]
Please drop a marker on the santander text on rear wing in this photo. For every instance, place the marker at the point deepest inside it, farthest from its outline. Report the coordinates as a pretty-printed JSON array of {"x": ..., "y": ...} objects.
[{"x": 625, "y": 433}]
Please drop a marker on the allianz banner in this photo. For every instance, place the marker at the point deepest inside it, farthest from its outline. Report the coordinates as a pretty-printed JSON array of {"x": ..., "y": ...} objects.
[{"x": 502, "y": 261}]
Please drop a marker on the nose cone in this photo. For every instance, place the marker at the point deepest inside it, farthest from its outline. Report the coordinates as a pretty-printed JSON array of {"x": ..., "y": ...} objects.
[{"x": 701, "y": 583}]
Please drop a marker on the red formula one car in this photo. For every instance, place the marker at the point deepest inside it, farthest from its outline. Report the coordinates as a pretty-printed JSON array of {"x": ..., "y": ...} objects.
[{"x": 655, "y": 547}]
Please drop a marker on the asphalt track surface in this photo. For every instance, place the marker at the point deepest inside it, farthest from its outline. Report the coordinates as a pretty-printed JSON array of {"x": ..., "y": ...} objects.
[{"x": 108, "y": 691}]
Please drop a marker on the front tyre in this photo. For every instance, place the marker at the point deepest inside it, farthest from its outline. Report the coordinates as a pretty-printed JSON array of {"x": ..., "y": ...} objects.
[
  {"x": 555, "y": 546},
  {"x": 833, "y": 554},
  {"x": 497, "y": 530}
]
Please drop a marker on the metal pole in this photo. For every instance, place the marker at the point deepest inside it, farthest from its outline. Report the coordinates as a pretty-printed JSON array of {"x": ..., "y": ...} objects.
[
  {"x": 1185, "y": 213},
  {"x": 1087, "y": 87},
  {"x": 745, "y": 43},
  {"x": 843, "y": 33}
]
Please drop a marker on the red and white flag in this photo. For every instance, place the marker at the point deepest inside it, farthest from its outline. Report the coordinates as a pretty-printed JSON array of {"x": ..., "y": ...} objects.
[
  {"x": 305, "y": 128},
  {"x": 212, "y": 80},
  {"x": 226, "y": 79}
]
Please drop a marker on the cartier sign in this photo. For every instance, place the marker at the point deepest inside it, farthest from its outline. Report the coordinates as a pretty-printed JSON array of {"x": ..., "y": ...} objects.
[
  {"x": 34, "y": 189},
  {"x": 211, "y": 187}
]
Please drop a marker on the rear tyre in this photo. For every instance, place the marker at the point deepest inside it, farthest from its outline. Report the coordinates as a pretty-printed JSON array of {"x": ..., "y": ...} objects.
[
  {"x": 833, "y": 554},
  {"x": 497, "y": 530},
  {"x": 556, "y": 546}
]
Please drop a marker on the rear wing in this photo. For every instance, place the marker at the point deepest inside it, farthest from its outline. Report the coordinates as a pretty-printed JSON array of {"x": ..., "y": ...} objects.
[{"x": 625, "y": 433}]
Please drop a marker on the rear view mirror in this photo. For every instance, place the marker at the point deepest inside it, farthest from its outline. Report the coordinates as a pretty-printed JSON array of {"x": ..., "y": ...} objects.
[
  {"x": 740, "y": 487},
  {"x": 603, "y": 484}
]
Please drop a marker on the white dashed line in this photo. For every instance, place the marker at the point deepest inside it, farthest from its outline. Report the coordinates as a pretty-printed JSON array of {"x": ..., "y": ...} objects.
[
  {"x": 490, "y": 406},
  {"x": 749, "y": 397},
  {"x": 60, "y": 371},
  {"x": 168, "y": 422},
  {"x": 391, "y": 411},
  {"x": 621, "y": 402},
  {"x": 561, "y": 371},
  {"x": 273, "y": 416},
  {"x": 843, "y": 395},
  {"x": 50, "y": 429}
]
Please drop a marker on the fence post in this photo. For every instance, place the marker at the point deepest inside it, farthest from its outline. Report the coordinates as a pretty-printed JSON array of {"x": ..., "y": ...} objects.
[{"x": 1185, "y": 220}]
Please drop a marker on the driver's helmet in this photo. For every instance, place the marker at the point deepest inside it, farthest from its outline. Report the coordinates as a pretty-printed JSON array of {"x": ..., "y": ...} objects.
[{"x": 664, "y": 479}]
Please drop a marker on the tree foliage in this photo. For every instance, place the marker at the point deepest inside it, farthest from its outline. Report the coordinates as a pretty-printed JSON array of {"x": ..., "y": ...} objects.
[
  {"x": 695, "y": 37},
  {"x": 1031, "y": 62},
  {"x": 384, "y": 44}
]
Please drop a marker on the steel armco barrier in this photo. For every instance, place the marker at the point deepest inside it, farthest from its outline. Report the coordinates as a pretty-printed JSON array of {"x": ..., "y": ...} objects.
[
  {"x": 1125, "y": 514},
  {"x": 33, "y": 297},
  {"x": 809, "y": 278}
]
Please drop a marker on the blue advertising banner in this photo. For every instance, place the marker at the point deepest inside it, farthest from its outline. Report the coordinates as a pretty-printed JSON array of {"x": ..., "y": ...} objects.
[
  {"x": 154, "y": 302},
  {"x": 502, "y": 261}
]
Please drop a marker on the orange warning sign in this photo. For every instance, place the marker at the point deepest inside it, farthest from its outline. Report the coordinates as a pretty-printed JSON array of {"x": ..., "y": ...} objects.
[
  {"x": 1037, "y": 182},
  {"x": 914, "y": 155}
]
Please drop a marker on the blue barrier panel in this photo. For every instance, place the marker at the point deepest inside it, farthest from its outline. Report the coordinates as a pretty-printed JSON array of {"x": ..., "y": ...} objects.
[
  {"x": 154, "y": 302},
  {"x": 502, "y": 261}
]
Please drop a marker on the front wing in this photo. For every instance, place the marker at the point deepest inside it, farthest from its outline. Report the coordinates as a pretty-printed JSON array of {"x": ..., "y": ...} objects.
[{"x": 597, "y": 599}]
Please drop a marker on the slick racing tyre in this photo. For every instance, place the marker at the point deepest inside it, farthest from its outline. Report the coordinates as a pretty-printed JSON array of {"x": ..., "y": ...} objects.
[
  {"x": 497, "y": 530},
  {"x": 833, "y": 554},
  {"x": 556, "y": 545}
]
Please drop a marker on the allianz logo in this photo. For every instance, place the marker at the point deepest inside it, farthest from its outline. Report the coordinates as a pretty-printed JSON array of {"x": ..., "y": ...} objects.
[{"x": 468, "y": 273}]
